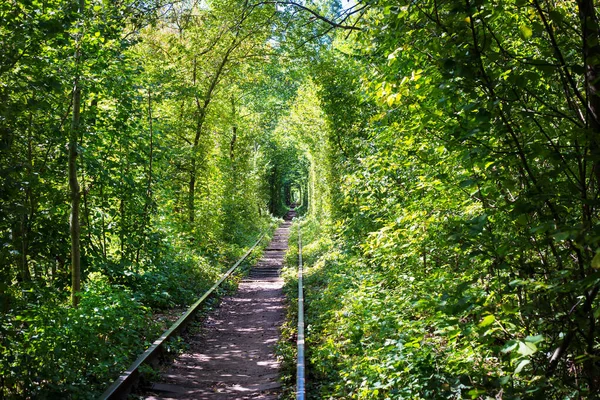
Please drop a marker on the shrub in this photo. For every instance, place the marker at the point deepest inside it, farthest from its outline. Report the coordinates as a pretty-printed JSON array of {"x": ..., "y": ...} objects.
[{"x": 54, "y": 351}]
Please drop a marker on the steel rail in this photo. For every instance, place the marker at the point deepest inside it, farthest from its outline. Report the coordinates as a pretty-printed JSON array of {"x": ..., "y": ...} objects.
[
  {"x": 300, "y": 378},
  {"x": 120, "y": 387}
]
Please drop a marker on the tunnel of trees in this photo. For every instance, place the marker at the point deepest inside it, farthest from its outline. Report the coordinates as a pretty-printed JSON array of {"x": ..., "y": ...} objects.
[{"x": 445, "y": 155}]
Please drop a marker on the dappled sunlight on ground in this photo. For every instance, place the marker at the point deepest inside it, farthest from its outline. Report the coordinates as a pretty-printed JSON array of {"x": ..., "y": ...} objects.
[{"x": 233, "y": 355}]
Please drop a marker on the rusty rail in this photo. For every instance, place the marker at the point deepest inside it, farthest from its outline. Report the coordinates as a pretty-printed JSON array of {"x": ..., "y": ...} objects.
[
  {"x": 121, "y": 387},
  {"x": 300, "y": 379}
]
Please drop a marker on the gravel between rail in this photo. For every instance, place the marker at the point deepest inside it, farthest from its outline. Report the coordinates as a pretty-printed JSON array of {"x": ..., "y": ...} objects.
[{"x": 233, "y": 356}]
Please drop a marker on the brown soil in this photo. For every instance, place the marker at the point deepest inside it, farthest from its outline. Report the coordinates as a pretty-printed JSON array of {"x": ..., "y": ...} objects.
[{"x": 233, "y": 355}]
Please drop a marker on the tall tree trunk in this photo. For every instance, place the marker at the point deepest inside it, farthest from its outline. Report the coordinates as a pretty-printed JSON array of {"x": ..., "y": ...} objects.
[
  {"x": 124, "y": 203},
  {"x": 91, "y": 114},
  {"x": 27, "y": 216},
  {"x": 102, "y": 220},
  {"x": 19, "y": 235},
  {"x": 30, "y": 202},
  {"x": 232, "y": 146},
  {"x": 75, "y": 197},
  {"x": 122, "y": 229},
  {"x": 192, "y": 190},
  {"x": 75, "y": 228},
  {"x": 193, "y": 161},
  {"x": 233, "y": 133},
  {"x": 591, "y": 56},
  {"x": 148, "y": 203},
  {"x": 199, "y": 122}
]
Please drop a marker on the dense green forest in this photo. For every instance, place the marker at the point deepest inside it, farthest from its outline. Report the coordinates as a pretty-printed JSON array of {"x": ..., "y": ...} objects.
[{"x": 445, "y": 155}]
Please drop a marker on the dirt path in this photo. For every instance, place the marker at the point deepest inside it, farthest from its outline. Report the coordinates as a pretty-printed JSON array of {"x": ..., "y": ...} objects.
[{"x": 233, "y": 356}]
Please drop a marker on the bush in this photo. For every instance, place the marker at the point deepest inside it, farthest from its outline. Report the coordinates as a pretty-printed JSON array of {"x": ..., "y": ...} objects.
[
  {"x": 174, "y": 285},
  {"x": 425, "y": 334},
  {"x": 54, "y": 351}
]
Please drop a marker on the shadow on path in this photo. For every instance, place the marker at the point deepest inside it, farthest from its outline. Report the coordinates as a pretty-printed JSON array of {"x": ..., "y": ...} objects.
[{"x": 233, "y": 356}]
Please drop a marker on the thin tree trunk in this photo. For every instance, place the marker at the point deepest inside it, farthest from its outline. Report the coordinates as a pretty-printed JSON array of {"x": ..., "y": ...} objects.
[
  {"x": 27, "y": 218},
  {"x": 91, "y": 115},
  {"x": 75, "y": 228},
  {"x": 591, "y": 56},
  {"x": 20, "y": 241},
  {"x": 124, "y": 223},
  {"x": 86, "y": 208},
  {"x": 146, "y": 214},
  {"x": 192, "y": 184},
  {"x": 75, "y": 198},
  {"x": 232, "y": 148},
  {"x": 122, "y": 229},
  {"x": 102, "y": 220},
  {"x": 202, "y": 108},
  {"x": 199, "y": 122},
  {"x": 233, "y": 133}
]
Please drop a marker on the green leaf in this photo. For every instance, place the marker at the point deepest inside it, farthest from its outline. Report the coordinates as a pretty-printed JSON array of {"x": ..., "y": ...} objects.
[
  {"x": 534, "y": 339},
  {"x": 392, "y": 98},
  {"x": 487, "y": 320},
  {"x": 596, "y": 261},
  {"x": 526, "y": 31},
  {"x": 503, "y": 380},
  {"x": 527, "y": 348},
  {"x": 510, "y": 346},
  {"x": 560, "y": 236},
  {"x": 522, "y": 220},
  {"x": 467, "y": 183},
  {"x": 556, "y": 17},
  {"x": 475, "y": 393},
  {"x": 521, "y": 365}
]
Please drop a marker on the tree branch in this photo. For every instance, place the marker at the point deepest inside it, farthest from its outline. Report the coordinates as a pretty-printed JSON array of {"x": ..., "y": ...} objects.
[{"x": 317, "y": 15}]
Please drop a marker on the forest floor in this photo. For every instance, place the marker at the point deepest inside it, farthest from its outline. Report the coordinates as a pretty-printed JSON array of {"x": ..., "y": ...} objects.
[{"x": 233, "y": 355}]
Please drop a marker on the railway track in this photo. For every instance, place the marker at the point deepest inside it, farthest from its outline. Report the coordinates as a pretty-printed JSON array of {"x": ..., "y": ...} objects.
[
  {"x": 233, "y": 355},
  {"x": 300, "y": 365}
]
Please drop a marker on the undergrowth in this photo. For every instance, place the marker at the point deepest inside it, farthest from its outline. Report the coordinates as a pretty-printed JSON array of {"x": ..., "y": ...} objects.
[
  {"x": 429, "y": 337},
  {"x": 51, "y": 350}
]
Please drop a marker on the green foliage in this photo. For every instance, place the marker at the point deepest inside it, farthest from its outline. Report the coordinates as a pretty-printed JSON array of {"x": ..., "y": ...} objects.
[
  {"x": 155, "y": 117},
  {"x": 53, "y": 350},
  {"x": 445, "y": 155},
  {"x": 175, "y": 285},
  {"x": 465, "y": 210}
]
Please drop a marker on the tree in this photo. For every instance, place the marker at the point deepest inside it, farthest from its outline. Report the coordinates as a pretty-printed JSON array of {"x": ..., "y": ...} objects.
[
  {"x": 73, "y": 181},
  {"x": 472, "y": 182}
]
